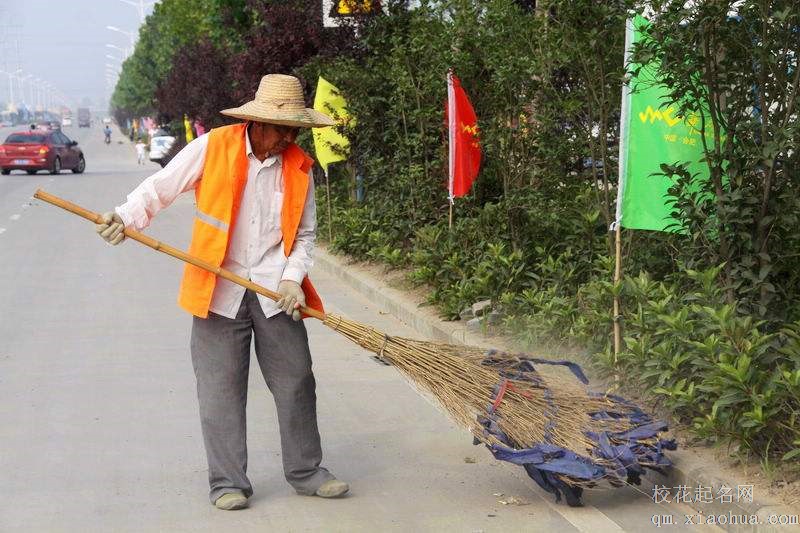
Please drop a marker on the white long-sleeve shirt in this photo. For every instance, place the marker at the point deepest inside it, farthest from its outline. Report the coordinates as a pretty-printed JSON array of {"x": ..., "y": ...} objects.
[{"x": 255, "y": 250}]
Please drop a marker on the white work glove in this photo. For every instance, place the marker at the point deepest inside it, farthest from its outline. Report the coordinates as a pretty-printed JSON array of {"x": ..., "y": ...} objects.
[
  {"x": 292, "y": 298},
  {"x": 111, "y": 228}
]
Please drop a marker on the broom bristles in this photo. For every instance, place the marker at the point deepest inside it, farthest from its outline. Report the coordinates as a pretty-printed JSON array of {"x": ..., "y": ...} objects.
[{"x": 532, "y": 408}]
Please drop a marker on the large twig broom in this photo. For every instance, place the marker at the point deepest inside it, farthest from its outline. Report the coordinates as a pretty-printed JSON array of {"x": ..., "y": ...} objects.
[{"x": 565, "y": 436}]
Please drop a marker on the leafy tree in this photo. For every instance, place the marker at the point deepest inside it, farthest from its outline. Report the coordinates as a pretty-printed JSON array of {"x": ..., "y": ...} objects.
[
  {"x": 172, "y": 24},
  {"x": 741, "y": 69},
  {"x": 195, "y": 58},
  {"x": 197, "y": 85},
  {"x": 283, "y": 37}
]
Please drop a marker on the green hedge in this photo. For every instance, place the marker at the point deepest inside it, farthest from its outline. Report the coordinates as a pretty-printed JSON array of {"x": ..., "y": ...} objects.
[{"x": 710, "y": 315}]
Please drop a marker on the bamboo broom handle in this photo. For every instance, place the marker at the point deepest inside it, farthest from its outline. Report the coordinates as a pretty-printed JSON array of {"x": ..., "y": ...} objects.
[{"x": 169, "y": 250}]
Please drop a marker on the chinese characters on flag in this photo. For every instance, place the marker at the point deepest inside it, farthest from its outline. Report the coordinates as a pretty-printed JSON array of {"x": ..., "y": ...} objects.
[{"x": 465, "y": 150}]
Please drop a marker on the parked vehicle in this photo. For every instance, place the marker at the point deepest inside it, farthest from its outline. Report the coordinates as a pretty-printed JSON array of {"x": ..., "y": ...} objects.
[
  {"x": 66, "y": 122},
  {"x": 160, "y": 144},
  {"x": 38, "y": 149},
  {"x": 84, "y": 117}
]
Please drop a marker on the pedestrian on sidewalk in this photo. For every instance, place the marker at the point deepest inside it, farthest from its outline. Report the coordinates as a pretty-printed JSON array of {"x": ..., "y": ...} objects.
[
  {"x": 256, "y": 217},
  {"x": 140, "y": 147}
]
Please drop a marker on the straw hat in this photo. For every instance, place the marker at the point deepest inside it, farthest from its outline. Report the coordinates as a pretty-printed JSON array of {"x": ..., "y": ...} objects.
[{"x": 279, "y": 100}]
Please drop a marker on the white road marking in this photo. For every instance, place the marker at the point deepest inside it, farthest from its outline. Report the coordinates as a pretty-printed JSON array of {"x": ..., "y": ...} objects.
[
  {"x": 14, "y": 217},
  {"x": 585, "y": 519},
  {"x": 2, "y": 230},
  {"x": 25, "y": 206}
]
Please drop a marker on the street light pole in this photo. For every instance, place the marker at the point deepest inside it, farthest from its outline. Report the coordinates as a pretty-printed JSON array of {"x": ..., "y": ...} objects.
[
  {"x": 49, "y": 96},
  {"x": 125, "y": 51},
  {"x": 10, "y": 87},
  {"x": 41, "y": 95},
  {"x": 31, "y": 86},
  {"x": 131, "y": 35},
  {"x": 11, "y": 77},
  {"x": 141, "y": 5},
  {"x": 36, "y": 100},
  {"x": 22, "y": 95}
]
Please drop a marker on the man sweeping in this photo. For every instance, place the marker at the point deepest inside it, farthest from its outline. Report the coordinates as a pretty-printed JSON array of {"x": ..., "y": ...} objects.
[{"x": 256, "y": 217}]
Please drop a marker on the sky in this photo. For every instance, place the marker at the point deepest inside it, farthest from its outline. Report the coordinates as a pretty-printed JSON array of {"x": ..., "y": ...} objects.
[{"x": 64, "y": 43}]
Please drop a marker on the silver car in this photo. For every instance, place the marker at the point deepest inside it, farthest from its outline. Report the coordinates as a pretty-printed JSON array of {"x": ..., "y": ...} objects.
[{"x": 160, "y": 144}]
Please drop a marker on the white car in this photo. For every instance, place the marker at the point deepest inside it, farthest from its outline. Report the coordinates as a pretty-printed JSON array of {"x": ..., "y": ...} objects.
[
  {"x": 66, "y": 122},
  {"x": 160, "y": 144}
]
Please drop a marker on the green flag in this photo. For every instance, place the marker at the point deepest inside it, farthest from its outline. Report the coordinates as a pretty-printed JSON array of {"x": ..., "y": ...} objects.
[{"x": 651, "y": 134}]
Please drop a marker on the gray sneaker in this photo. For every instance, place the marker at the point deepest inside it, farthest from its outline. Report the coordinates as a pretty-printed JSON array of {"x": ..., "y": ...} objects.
[
  {"x": 333, "y": 488},
  {"x": 231, "y": 501}
]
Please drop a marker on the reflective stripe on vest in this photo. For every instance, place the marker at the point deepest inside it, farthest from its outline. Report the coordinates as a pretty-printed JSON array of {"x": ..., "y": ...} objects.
[
  {"x": 218, "y": 195},
  {"x": 211, "y": 221}
]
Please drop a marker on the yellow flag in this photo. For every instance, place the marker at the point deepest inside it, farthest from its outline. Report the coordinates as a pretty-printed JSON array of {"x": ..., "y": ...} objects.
[
  {"x": 330, "y": 145},
  {"x": 188, "y": 125},
  {"x": 350, "y": 7}
]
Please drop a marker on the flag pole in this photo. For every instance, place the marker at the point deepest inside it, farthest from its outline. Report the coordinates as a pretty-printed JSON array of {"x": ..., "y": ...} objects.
[
  {"x": 328, "y": 194},
  {"x": 451, "y": 139},
  {"x": 624, "y": 118},
  {"x": 450, "y": 225},
  {"x": 617, "y": 278},
  {"x": 329, "y": 143}
]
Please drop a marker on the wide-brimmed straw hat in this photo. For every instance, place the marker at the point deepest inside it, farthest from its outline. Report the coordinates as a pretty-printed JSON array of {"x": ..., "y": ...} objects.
[{"x": 279, "y": 100}]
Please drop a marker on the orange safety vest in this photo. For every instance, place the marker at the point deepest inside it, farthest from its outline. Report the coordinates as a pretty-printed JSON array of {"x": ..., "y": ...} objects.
[{"x": 219, "y": 193}]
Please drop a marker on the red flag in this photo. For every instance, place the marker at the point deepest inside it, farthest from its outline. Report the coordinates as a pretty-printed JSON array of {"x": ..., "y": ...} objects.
[{"x": 465, "y": 150}]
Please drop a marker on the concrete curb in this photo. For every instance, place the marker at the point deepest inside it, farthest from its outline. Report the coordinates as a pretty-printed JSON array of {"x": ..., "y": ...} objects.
[
  {"x": 422, "y": 319},
  {"x": 688, "y": 470}
]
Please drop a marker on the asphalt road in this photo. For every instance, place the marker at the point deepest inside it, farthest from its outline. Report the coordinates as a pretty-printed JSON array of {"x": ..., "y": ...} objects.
[{"x": 98, "y": 418}]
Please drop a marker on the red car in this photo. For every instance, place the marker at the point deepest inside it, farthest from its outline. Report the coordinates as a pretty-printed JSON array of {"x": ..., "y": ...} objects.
[{"x": 39, "y": 149}]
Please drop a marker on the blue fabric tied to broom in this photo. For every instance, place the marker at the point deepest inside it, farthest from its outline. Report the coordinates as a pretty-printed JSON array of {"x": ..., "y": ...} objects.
[{"x": 625, "y": 455}]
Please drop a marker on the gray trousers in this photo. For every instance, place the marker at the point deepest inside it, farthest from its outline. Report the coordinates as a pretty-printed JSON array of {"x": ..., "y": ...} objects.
[{"x": 221, "y": 360}]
